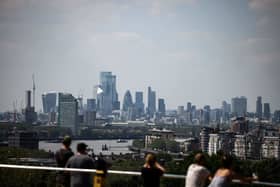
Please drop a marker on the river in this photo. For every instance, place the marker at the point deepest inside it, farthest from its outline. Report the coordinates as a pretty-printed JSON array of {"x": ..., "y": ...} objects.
[{"x": 113, "y": 146}]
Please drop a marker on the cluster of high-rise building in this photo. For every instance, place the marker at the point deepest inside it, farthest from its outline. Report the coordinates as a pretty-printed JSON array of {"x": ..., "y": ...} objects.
[
  {"x": 258, "y": 142},
  {"x": 66, "y": 110}
]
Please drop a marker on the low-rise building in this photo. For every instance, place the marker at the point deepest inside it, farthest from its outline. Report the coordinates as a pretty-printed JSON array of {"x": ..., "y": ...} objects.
[
  {"x": 155, "y": 134},
  {"x": 270, "y": 147}
]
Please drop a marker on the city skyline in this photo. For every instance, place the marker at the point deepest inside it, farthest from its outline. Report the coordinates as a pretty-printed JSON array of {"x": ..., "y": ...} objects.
[{"x": 187, "y": 51}]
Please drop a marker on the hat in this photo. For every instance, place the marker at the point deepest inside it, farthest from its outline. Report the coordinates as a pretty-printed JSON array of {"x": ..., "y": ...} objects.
[
  {"x": 67, "y": 140},
  {"x": 81, "y": 147}
]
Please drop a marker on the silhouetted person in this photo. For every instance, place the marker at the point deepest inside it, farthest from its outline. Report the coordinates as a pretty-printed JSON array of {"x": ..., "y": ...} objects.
[
  {"x": 83, "y": 161},
  {"x": 151, "y": 171},
  {"x": 225, "y": 174},
  {"x": 102, "y": 164},
  {"x": 197, "y": 173},
  {"x": 61, "y": 157}
]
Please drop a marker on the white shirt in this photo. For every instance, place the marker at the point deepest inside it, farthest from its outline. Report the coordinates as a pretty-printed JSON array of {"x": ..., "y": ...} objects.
[{"x": 196, "y": 176}]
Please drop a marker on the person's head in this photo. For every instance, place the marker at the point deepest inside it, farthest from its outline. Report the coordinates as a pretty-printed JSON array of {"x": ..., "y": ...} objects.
[
  {"x": 199, "y": 158},
  {"x": 81, "y": 148},
  {"x": 66, "y": 141},
  {"x": 150, "y": 159},
  {"x": 226, "y": 161}
]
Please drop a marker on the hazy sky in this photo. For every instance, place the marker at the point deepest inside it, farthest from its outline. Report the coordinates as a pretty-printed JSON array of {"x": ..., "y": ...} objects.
[{"x": 203, "y": 51}]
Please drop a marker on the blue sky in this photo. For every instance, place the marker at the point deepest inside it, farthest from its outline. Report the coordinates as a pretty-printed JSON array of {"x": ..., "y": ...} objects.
[{"x": 187, "y": 50}]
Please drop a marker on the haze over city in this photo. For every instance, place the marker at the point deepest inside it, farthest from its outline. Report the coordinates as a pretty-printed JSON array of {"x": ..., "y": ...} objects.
[{"x": 194, "y": 50}]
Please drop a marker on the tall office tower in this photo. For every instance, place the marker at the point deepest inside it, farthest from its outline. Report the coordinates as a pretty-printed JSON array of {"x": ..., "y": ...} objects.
[
  {"x": 80, "y": 105},
  {"x": 215, "y": 115},
  {"x": 139, "y": 104},
  {"x": 161, "y": 107},
  {"x": 180, "y": 110},
  {"x": 90, "y": 113},
  {"x": 239, "y": 106},
  {"x": 225, "y": 111},
  {"x": 30, "y": 115},
  {"x": 68, "y": 111},
  {"x": 151, "y": 109},
  {"x": 259, "y": 107},
  {"x": 193, "y": 112},
  {"x": 49, "y": 102},
  {"x": 28, "y": 99},
  {"x": 189, "y": 107},
  {"x": 266, "y": 111},
  {"x": 127, "y": 101},
  {"x": 206, "y": 114},
  {"x": 276, "y": 116},
  {"x": 107, "y": 98},
  {"x": 115, "y": 100},
  {"x": 91, "y": 105}
]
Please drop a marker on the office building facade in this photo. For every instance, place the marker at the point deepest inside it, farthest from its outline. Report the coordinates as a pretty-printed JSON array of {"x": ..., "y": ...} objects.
[
  {"x": 107, "y": 99},
  {"x": 259, "y": 107},
  {"x": 151, "y": 108},
  {"x": 239, "y": 106},
  {"x": 68, "y": 112},
  {"x": 49, "y": 102}
]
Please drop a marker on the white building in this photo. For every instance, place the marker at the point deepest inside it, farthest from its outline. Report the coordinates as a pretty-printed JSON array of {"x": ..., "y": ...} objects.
[{"x": 270, "y": 147}]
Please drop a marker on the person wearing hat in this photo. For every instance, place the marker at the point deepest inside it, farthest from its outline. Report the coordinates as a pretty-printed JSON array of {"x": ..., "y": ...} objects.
[
  {"x": 83, "y": 161},
  {"x": 61, "y": 157}
]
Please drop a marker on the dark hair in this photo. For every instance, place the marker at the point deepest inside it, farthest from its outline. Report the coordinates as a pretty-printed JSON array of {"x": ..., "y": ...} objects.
[
  {"x": 226, "y": 161},
  {"x": 81, "y": 147},
  {"x": 199, "y": 158}
]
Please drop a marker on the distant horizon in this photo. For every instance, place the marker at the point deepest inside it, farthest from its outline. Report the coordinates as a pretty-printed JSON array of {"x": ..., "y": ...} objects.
[
  {"x": 144, "y": 100},
  {"x": 186, "y": 50}
]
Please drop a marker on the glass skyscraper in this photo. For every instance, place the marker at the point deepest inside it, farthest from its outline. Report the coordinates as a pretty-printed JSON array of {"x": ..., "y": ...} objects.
[
  {"x": 49, "y": 102},
  {"x": 239, "y": 106},
  {"x": 107, "y": 100},
  {"x": 259, "y": 107},
  {"x": 151, "y": 109},
  {"x": 127, "y": 101},
  {"x": 68, "y": 111},
  {"x": 139, "y": 104}
]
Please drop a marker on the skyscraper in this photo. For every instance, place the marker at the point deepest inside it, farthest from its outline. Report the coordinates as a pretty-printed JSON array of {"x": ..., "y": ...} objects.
[
  {"x": 91, "y": 105},
  {"x": 127, "y": 101},
  {"x": 206, "y": 114},
  {"x": 225, "y": 111},
  {"x": 266, "y": 111},
  {"x": 107, "y": 100},
  {"x": 161, "y": 107},
  {"x": 259, "y": 107},
  {"x": 151, "y": 102},
  {"x": 189, "y": 107},
  {"x": 28, "y": 99},
  {"x": 49, "y": 102},
  {"x": 139, "y": 104},
  {"x": 239, "y": 106},
  {"x": 30, "y": 116},
  {"x": 68, "y": 111}
]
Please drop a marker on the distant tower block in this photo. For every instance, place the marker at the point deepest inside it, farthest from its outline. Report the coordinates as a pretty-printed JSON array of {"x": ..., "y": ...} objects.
[{"x": 33, "y": 79}]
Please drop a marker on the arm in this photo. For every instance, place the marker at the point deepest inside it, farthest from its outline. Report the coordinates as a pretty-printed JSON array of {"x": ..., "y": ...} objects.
[
  {"x": 157, "y": 165},
  {"x": 242, "y": 178}
]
